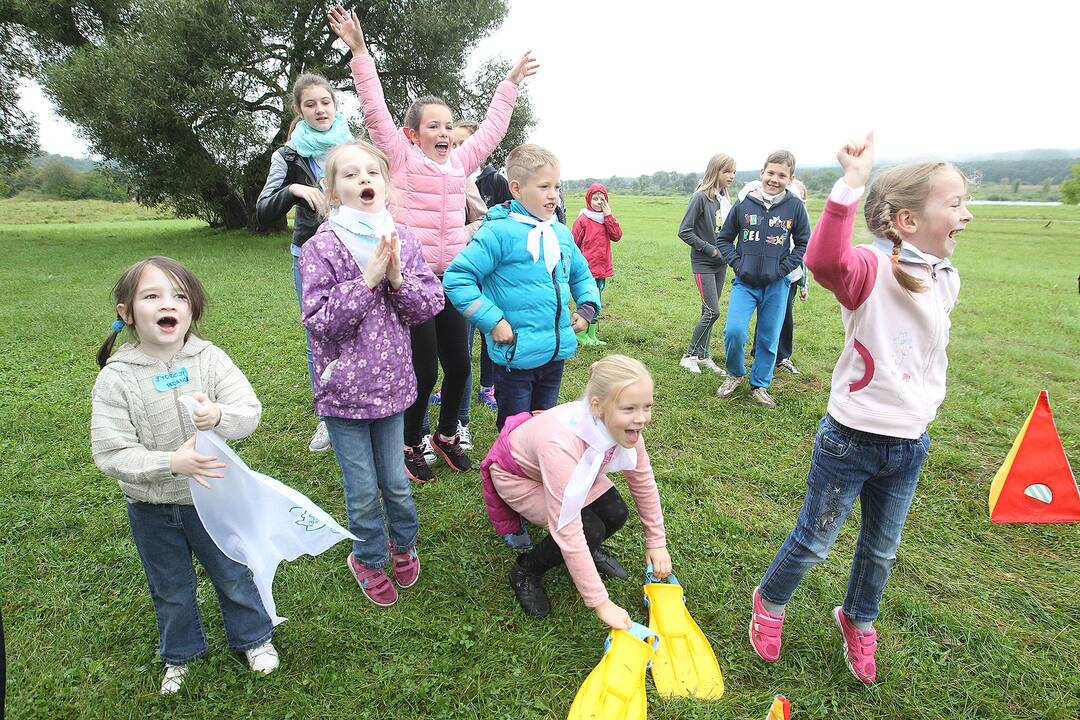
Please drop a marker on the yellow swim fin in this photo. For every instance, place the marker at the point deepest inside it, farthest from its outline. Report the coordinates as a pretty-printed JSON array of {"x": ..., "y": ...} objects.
[
  {"x": 685, "y": 664},
  {"x": 780, "y": 710},
  {"x": 615, "y": 689}
]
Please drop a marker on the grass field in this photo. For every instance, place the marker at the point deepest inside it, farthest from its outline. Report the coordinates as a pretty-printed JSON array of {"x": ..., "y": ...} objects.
[{"x": 979, "y": 620}]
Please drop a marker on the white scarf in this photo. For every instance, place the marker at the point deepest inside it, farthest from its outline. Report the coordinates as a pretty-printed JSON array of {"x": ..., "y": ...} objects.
[
  {"x": 593, "y": 215},
  {"x": 598, "y": 441},
  {"x": 444, "y": 168},
  {"x": 360, "y": 231},
  {"x": 541, "y": 230}
]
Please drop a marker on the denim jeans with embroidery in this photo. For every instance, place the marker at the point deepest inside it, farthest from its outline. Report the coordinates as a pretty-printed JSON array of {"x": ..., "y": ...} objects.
[
  {"x": 882, "y": 472},
  {"x": 166, "y": 536}
]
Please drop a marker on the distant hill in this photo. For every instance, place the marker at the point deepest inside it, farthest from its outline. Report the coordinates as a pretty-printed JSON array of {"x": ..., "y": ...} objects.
[{"x": 78, "y": 164}]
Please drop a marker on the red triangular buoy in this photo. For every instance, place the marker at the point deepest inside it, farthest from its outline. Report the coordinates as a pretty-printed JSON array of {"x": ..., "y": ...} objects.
[{"x": 1035, "y": 483}]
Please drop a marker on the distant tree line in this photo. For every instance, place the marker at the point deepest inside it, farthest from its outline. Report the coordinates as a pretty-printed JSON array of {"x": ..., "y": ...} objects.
[
  {"x": 59, "y": 178},
  {"x": 995, "y": 180}
]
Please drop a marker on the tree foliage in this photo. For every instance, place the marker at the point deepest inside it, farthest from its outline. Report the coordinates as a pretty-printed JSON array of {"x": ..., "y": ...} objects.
[
  {"x": 189, "y": 98},
  {"x": 1070, "y": 187}
]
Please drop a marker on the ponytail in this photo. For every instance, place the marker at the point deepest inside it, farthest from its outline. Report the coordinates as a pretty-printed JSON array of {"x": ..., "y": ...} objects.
[
  {"x": 106, "y": 348},
  {"x": 907, "y": 281}
]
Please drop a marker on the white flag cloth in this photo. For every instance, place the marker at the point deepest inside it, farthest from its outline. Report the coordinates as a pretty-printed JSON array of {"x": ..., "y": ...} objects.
[
  {"x": 360, "y": 231},
  {"x": 541, "y": 230},
  {"x": 592, "y": 431},
  {"x": 257, "y": 520}
]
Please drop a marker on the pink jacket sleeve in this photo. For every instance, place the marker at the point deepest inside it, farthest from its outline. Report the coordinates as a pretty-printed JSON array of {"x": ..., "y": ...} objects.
[
  {"x": 381, "y": 127},
  {"x": 642, "y": 484},
  {"x": 847, "y": 272},
  {"x": 614, "y": 232},
  {"x": 473, "y": 152},
  {"x": 557, "y": 464}
]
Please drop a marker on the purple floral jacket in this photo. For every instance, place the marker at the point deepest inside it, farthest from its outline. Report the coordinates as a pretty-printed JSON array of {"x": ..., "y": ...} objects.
[{"x": 365, "y": 331}]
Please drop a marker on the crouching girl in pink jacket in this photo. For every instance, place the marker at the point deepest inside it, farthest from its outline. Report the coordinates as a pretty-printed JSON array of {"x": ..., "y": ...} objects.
[
  {"x": 552, "y": 469},
  {"x": 429, "y": 176}
]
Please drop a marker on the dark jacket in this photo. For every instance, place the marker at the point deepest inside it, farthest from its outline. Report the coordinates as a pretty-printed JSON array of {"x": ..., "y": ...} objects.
[
  {"x": 275, "y": 200},
  {"x": 765, "y": 252},
  {"x": 493, "y": 187},
  {"x": 703, "y": 219}
]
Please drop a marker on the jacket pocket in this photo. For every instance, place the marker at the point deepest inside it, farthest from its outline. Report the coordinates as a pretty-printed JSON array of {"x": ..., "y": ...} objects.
[{"x": 502, "y": 353}]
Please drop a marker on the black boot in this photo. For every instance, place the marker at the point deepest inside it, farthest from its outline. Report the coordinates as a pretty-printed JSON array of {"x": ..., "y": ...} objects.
[
  {"x": 529, "y": 588},
  {"x": 607, "y": 565}
]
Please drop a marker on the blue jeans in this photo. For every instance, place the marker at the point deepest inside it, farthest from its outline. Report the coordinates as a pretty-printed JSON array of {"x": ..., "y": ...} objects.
[
  {"x": 882, "y": 472},
  {"x": 600, "y": 283},
  {"x": 166, "y": 536},
  {"x": 369, "y": 455},
  {"x": 519, "y": 391},
  {"x": 770, "y": 303},
  {"x": 300, "y": 299}
]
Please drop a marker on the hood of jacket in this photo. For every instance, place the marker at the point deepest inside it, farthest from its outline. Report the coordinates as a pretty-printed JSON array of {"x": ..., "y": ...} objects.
[
  {"x": 593, "y": 189},
  {"x": 130, "y": 354}
]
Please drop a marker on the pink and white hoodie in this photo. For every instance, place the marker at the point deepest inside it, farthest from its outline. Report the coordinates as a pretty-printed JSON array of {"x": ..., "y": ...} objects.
[
  {"x": 890, "y": 377},
  {"x": 427, "y": 198}
]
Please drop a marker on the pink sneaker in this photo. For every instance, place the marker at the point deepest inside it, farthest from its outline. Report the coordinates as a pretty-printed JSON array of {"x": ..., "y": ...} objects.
[
  {"x": 859, "y": 647},
  {"x": 374, "y": 582},
  {"x": 406, "y": 566},
  {"x": 765, "y": 631}
]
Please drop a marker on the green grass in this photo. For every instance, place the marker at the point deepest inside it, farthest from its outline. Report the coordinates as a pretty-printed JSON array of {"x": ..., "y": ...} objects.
[
  {"x": 30, "y": 209},
  {"x": 979, "y": 620}
]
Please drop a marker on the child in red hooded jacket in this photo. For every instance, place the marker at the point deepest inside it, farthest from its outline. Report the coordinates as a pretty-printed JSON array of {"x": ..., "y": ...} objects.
[{"x": 594, "y": 231}]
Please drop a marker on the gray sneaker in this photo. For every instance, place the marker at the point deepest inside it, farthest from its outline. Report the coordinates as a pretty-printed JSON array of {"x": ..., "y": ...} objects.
[
  {"x": 464, "y": 436},
  {"x": 708, "y": 364},
  {"x": 320, "y": 441},
  {"x": 731, "y": 383},
  {"x": 762, "y": 396},
  {"x": 789, "y": 366},
  {"x": 430, "y": 456}
]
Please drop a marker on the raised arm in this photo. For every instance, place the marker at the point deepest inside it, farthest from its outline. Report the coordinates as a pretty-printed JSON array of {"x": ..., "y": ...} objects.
[{"x": 475, "y": 150}]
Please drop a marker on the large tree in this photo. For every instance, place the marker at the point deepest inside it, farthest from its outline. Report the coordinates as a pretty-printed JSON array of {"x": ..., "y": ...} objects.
[{"x": 190, "y": 97}]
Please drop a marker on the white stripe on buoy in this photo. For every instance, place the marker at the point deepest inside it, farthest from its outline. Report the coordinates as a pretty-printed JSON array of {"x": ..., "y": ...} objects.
[{"x": 1039, "y": 492}]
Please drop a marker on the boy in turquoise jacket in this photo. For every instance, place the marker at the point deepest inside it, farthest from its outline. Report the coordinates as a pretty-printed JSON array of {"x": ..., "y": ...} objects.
[{"x": 529, "y": 268}]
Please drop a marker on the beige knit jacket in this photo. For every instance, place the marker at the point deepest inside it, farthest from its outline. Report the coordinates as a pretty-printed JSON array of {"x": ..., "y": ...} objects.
[{"x": 134, "y": 427}]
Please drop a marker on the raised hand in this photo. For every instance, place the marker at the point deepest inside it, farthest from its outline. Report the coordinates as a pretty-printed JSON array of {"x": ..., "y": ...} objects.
[
  {"x": 346, "y": 25},
  {"x": 376, "y": 265},
  {"x": 186, "y": 461},
  {"x": 525, "y": 67},
  {"x": 207, "y": 414},
  {"x": 313, "y": 197},
  {"x": 857, "y": 160},
  {"x": 605, "y": 206},
  {"x": 393, "y": 260}
]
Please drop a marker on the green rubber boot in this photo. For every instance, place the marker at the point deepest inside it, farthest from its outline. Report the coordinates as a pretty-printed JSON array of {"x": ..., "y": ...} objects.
[
  {"x": 592, "y": 335},
  {"x": 583, "y": 338}
]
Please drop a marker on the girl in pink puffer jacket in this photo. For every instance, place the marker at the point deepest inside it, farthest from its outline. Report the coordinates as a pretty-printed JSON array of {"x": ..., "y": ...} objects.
[{"x": 429, "y": 177}]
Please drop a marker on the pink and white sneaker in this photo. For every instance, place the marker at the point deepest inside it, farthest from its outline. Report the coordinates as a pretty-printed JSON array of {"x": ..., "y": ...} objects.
[
  {"x": 859, "y": 647},
  {"x": 765, "y": 631},
  {"x": 406, "y": 566},
  {"x": 374, "y": 582}
]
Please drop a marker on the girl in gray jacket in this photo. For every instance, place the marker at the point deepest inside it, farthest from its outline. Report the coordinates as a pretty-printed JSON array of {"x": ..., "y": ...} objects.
[{"x": 708, "y": 209}]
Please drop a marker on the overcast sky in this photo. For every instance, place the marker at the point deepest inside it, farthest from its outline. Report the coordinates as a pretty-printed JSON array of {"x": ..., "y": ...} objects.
[{"x": 632, "y": 87}]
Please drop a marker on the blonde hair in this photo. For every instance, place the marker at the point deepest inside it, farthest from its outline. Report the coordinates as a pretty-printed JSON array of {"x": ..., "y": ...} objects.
[
  {"x": 780, "y": 157},
  {"x": 612, "y": 374},
  {"x": 798, "y": 187},
  {"x": 898, "y": 188},
  {"x": 333, "y": 158},
  {"x": 467, "y": 125},
  {"x": 711, "y": 182},
  {"x": 526, "y": 159}
]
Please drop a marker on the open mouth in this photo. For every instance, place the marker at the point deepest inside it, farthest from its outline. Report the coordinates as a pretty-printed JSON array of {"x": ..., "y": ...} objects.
[
  {"x": 954, "y": 233},
  {"x": 632, "y": 435},
  {"x": 442, "y": 148},
  {"x": 367, "y": 194},
  {"x": 167, "y": 323}
]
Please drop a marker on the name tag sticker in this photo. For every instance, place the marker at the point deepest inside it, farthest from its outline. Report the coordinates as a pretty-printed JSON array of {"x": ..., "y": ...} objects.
[{"x": 168, "y": 380}]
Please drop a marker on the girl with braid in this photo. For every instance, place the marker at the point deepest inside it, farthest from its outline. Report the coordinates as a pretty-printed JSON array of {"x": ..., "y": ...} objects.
[{"x": 896, "y": 294}]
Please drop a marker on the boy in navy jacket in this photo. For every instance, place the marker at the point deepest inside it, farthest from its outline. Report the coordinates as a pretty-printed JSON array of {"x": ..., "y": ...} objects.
[{"x": 772, "y": 229}]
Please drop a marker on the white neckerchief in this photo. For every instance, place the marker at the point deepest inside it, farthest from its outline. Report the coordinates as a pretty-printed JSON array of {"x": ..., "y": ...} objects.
[
  {"x": 444, "y": 168},
  {"x": 593, "y": 215},
  {"x": 545, "y": 231},
  {"x": 598, "y": 442},
  {"x": 360, "y": 231}
]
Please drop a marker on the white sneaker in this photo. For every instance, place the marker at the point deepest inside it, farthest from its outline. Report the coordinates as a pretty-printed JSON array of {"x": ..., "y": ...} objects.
[
  {"x": 690, "y": 363},
  {"x": 789, "y": 366},
  {"x": 762, "y": 396},
  {"x": 263, "y": 659},
  {"x": 731, "y": 382},
  {"x": 708, "y": 364},
  {"x": 320, "y": 441},
  {"x": 174, "y": 678},
  {"x": 464, "y": 436},
  {"x": 430, "y": 456}
]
